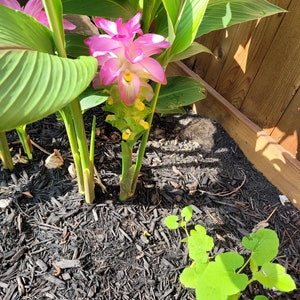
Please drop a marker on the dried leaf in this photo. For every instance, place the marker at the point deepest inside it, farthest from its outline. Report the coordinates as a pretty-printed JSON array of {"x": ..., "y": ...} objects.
[
  {"x": 18, "y": 158},
  {"x": 54, "y": 160},
  {"x": 72, "y": 170}
]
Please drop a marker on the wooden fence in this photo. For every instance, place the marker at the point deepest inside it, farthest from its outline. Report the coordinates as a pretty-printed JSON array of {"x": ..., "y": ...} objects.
[{"x": 257, "y": 69}]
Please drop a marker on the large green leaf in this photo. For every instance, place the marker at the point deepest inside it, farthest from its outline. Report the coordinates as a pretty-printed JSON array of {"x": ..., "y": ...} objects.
[
  {"x": 180, "y": 91},
  {"x": 102, "y": 8},
  {"x": 75, "y": 45},
  {"x": 224, "y": 13},
  {"x": 193, "y": 49},
  {"x": 91, "y": 98},
  {"x": 187, "y": 25},
  {"x": 173, "y": 8},
  {"x": 34, "y": 84},
  {"x": 19, "y": 30}
]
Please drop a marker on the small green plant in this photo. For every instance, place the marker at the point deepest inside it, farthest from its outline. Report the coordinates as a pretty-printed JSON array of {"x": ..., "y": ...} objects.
[{"x": 221, "y": 277}]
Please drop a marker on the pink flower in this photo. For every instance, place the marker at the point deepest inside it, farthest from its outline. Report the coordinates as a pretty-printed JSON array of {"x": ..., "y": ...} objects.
[
  {"x": 34, "y": 8},
  {"x": 125, "y": 60}
]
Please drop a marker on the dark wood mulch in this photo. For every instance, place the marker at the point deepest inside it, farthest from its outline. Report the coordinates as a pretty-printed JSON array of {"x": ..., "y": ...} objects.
[{"x": 54, "y": 246}]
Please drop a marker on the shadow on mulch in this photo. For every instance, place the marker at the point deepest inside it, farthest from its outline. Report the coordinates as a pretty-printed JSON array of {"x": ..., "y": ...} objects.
[{"x": 54, "y": 246}]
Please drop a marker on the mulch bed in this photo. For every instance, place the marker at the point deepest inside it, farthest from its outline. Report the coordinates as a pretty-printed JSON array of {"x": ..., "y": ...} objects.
[{"x": 55, "y": 246}]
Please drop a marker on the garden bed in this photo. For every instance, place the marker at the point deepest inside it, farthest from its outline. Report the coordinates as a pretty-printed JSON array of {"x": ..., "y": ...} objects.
[{"x": 55, "y": 246}]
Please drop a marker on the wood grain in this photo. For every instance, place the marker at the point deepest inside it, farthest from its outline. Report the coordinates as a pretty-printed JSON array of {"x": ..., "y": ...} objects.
[
  {"x": 278, "y": 76},
  {"x": 287, "y": 131}
]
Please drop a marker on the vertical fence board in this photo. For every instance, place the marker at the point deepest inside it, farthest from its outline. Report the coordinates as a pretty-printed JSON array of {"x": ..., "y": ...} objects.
[
  {"x": 257, "y": 69},
  {"x": 287, "y": 131},
  {"x": 276, "y": 81}
]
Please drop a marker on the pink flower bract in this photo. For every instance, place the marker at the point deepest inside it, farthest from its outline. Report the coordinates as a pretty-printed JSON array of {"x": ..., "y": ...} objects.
[
  {"x": 126, "y": 60},
  {"x": 34, "y": 8}
]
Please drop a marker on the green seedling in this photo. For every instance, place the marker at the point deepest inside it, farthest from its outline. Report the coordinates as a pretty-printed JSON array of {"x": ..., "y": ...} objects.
[{"x": 221, "y": 277}]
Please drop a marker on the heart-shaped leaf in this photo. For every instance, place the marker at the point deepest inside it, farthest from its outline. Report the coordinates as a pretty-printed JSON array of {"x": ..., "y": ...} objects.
[
  {"x": 273, "y": 275},
  {"x": 229, "y": 281},
  {"x": 172, "y": 222},
  {"x": 264, "y": 245}
]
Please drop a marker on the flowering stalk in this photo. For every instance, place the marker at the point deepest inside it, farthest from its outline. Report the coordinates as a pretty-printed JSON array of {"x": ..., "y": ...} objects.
[
  {"x": 78, "y": 140},
  {"x": 142, "y": 148},
  {"x": 126, "y": 67}
]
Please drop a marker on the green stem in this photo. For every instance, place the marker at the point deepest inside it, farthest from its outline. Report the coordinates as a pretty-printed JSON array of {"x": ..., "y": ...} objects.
[
  {"x": 144, "y": 141},
  {"x": 5, "y": 154},
  {"x": 127, "y": 171},
  {"x": 92, "y": 141},
  {"x": 67, "y": 118},
  {"x": 25, "y": 140},
  {"x": 244, "y": 265},
  {"x": 53, "y": 10},
  {"x": 87, "y": 165}
]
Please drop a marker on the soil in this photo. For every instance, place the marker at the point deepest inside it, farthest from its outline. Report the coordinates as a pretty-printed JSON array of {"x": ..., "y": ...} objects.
[{"x": 55, "y": 246}]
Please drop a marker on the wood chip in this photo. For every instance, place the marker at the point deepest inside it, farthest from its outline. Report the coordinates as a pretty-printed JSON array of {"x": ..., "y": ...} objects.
[
  {"x": 68, "y": 263},
  {"x": 54, "y": 280}
]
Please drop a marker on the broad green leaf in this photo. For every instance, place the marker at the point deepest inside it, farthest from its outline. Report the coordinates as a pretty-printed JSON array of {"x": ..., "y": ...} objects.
[
  {"x": 224, "y": 13},
  {"x": 260, "y": 297},
  {"x": 170, "y": 27},
  {"x": 172, "y": 222},
  {"x": 19, "y": 30},
  {"x": 199, "y": 244},
  {"x": 75, "y": 45},
  {"x": 224, "y": 270},
  {"x": 193, "y": 49},
  {"x": 135, "y": 3},
  {"x": 102, "y": 8},
  {"x": 264, "y": 245},
  {"x": 173, "y": 8},
  {"x": 149, "y": 13},
  {"x": 91, "y": 98},
  {"x": 191, "y": 276},
  {"x": 35, "y": 84},
  {"x": 274, "y": 276},
  {"x": 234, "y": 297},
  {"x": 187, "y": 213},
  {"x": 179, "y": 91},
  {"x": 188, "y": 24}
]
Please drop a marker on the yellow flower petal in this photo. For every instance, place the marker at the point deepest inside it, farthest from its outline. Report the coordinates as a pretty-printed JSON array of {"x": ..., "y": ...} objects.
[
  {"x": 139, "y": 105},
  {"x": 110, "y": 118},
  {"x": 128, "y": 76},
  {"x": 144, "y": 124},
  {"x": 126, "y": 134},
  {"x": 110, "y": 101}
]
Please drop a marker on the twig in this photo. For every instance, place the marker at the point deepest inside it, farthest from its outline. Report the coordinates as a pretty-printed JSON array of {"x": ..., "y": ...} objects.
[
  {"x": 224, "y": 194},
  {"x": 271, "y": 214},
  {"x": 39, "y": 147}
]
